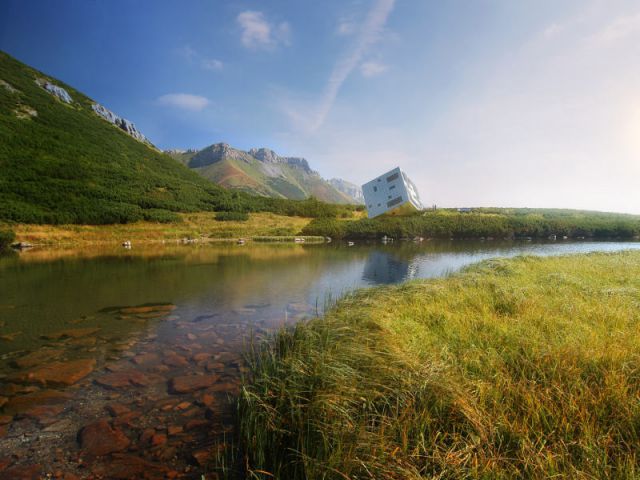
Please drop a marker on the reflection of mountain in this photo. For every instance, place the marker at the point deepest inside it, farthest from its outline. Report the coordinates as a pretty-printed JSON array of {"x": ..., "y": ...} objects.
[{"x": 384, "y": 267}]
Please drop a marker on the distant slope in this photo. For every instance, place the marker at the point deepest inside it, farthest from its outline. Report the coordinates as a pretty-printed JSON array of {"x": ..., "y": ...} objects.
[
  {"x": 260, "y": 171},
  {"x": 350, "y": 189}
]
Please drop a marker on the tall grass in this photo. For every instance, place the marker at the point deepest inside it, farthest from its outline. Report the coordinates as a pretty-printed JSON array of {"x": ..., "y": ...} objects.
[{"x": 521, "y": 368}]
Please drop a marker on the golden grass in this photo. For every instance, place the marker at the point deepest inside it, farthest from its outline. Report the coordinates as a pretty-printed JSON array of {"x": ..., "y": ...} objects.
[
  {"x": 521, "y": 368},
  {"x": 202, "y": 226}
]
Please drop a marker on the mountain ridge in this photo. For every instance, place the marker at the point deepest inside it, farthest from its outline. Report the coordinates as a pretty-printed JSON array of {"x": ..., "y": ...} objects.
[{"x": 262, "y": 171}]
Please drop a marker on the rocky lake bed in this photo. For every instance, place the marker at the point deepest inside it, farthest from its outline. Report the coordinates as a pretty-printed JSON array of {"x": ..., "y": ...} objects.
[{"x": 83, "y": 406}]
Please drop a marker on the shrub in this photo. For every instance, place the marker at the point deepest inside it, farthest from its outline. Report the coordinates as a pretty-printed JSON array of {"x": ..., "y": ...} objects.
[
  {"x": 7, "y": 237},
  {"x": 232, "y": 216}
]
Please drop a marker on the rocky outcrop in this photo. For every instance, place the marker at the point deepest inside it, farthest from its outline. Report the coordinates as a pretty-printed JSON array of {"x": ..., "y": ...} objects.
[
  {"x": 267, "y": 155},
  {"x": 216, "y": 153},
  {"x": 55, "y": 90},
  {"x": 348, "y": 188},
  {"x": 120, "y": 122}
]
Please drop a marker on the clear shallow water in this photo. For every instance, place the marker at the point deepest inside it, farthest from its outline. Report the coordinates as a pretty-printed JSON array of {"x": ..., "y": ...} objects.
[{"x": 261, "y": 285}]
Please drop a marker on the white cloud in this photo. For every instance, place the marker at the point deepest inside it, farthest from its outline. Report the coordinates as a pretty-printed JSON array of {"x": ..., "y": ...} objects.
[
  {"x": 260, "y": 34},
  {"x": 211, "y": 64},
  {"x": 372, "y": 69},
  {"x": 184, "y": 101}
]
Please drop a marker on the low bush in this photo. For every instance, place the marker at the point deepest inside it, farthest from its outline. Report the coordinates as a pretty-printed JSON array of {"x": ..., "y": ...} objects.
[
  {"x": 7, "y": 237},
  {"x": 232, "y": 216}
]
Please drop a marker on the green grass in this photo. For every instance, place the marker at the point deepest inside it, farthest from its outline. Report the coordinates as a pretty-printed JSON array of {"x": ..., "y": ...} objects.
[
  {"x": 521, "y": 368},
  {"x": 66, "y": 165},
  {"x": 483, "y": 222}
]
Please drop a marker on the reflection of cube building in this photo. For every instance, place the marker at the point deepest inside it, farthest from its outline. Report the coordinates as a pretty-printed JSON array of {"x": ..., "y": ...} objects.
[{"x": 391, "y": 193}]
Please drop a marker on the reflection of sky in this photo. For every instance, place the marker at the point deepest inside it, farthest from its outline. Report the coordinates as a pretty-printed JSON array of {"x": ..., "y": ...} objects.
[{"x": 388, "y": 265}]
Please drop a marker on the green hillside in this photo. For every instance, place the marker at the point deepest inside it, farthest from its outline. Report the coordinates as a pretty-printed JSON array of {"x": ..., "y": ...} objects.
[
  {"x": 260, "y": 172},
  {"x": 62, "y": 163}
]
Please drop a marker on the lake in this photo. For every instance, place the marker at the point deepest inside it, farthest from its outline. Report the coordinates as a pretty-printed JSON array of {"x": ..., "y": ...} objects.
[{"x": 138, "y": 353}]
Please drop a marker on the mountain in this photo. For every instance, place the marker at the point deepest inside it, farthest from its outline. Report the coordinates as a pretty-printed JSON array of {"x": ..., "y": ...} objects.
[
  {"x": 260, "y": 171},
  {"x": 64, "y": 158},
  {"x": 350, "y": 189}
]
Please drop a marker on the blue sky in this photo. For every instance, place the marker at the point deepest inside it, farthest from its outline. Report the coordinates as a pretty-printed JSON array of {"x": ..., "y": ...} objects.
[{"x": 483, "y": 102}]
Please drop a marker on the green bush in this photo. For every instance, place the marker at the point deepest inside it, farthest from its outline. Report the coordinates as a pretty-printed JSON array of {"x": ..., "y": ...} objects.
[
  {"x": 7, "y": 237},
  {"x": 232, "y": 216}
]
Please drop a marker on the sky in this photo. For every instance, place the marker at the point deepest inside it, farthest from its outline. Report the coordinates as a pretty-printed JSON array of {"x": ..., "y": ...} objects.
[{"x": 529, "y": 103}]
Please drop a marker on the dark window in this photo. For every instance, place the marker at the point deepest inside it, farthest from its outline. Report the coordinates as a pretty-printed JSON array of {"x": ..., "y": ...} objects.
[
  {"x": 389, "y": 196},
  {"x": 375, "y": 189},
  {"x": 392, "y": 187},
  {"x": 393, "y": 177},
  {"x": 379, "y": 179},
  {"x": 378, "y": 204},
  {"x": 394, "y": 202},
  {"x": 370, "y": 206}
]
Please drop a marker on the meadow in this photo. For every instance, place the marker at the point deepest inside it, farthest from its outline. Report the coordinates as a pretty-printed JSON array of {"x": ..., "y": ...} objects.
[
  {"x": 520, "y": 368},
  {"x": 482, "y": 222}
]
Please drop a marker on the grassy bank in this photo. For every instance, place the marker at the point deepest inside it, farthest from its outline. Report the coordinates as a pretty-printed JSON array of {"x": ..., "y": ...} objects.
[
  {"x": 483, "y": 222},
  {"x": 521, "y": 368},
  {"x": 201, "y": 226}
]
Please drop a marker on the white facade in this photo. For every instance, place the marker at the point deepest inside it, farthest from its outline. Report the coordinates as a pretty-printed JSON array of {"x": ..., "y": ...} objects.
[{"x": 391, "y": 193}]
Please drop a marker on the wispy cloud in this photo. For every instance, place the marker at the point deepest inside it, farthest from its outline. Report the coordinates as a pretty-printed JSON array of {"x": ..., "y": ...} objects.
[
  {"x": 346, "y": 27},
  {"x": 184, "y": 101},
  {"x": 260, "y": 34},
  {"x": 211, "y": 64},
  {"x": 192, "y": 56},
  {"x": 372, "y": 69},
  {"x": 369, "y": 33}
]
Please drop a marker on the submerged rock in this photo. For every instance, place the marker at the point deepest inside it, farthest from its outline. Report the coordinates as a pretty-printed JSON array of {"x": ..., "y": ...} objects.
[
  {"x": 57, "y": 373},
  {"x": 71, "y": 333},
  {"x": 22, "y": 403},
  {"x": 99, "y": 438},
  {"x": 192, "y": 383}
]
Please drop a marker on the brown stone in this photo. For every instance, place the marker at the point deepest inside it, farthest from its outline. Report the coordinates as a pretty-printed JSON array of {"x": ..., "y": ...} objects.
[
  {"x": 196, "y": 424},
  {"x": 5, "y": 419},
  {"x": 201, "y": 357},
  {"x": 13, "y": 389},
  {"x": 147, "y": 435},
  {"x": 10, "y": 337},
  {"x": 174, "y": 430},
  {"x": 126, "y": 467},
  {"x": 43, "y": 413},
  {"x": 43, "y": 397},
  {"x": 22, "y": 472},
  {"x": 71, "y": 333},
  {"x": 124, "y": 379},
  {"x": 36, "y": 358},
  {"x": 191, "y": 383},
  {"x": 203, "y": 457},
  {"x": 158, "y": 439},
  {"x": 207, "y": 400},
  {"x": 99, "y": 438},
  {"x": 174, "y": 360},
  {"x": 147, "y": 309},
  {"x": 117, "y": 409},
  {"x": 182, "y": 406},
  {"x": 146, "y": 358},
  {"x": 58, "y": 373}
]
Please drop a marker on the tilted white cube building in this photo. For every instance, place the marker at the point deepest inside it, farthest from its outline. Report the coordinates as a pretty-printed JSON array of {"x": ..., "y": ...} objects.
[{"x": 392, "y": 193}]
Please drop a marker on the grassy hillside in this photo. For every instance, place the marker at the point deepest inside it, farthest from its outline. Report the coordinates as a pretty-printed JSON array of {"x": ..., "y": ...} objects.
[
  {"x": 62, "y": 163},
  {"x": 484, "y": 222},
  {"x": 521, "y": 368},
  {"x": 237, "y": 169}
]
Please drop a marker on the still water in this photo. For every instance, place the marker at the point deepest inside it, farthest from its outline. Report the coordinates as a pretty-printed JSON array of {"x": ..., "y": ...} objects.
[
  {"x": 138, "y": 353},
  {"x": 45, "y": 291}
]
